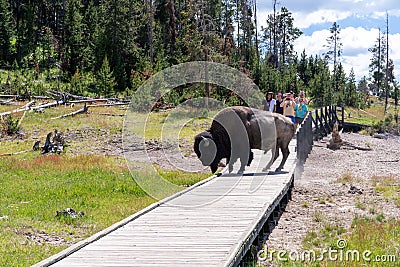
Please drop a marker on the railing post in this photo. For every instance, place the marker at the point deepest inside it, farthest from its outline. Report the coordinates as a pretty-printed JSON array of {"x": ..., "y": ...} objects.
[
  {"x": 326, "y": 119},
  {"x": 316, "y": 124},
  {"x": 330, "y": 115},
  {"x": 310, "y": 136},
  {"x": 342, "y": 116}
]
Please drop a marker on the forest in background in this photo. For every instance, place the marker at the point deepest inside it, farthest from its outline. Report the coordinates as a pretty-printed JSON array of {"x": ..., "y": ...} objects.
[{"x": 109, "y": 48}]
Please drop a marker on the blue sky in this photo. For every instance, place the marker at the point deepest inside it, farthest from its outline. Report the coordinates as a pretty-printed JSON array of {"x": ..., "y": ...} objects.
[{"x": 359, "y": 21}]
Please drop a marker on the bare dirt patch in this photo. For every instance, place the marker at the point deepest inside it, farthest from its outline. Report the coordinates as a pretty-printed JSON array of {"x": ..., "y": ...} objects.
[
  {"x": 40, "y": 237},
  {"x": 337, "y": 186}
]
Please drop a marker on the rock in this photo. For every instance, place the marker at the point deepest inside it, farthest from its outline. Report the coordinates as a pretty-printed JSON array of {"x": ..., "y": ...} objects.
[
  {"x": 354, "y": 190},
  {"x": 379, "y": 136},
  {"x": 69, "y": 212}
]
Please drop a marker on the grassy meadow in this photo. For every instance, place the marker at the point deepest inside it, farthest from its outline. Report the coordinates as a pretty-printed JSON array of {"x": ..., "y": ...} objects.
[
  {"x": 372, "y": 114},
  {"x": 34, "y": 186}
]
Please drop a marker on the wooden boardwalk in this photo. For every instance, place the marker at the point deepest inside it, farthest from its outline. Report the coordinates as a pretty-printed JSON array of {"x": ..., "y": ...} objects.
[{"x": 212, "y": 223}]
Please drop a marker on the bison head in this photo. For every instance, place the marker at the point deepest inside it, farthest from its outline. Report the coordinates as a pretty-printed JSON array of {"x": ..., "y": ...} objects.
[{"x": 206, "y": 150}]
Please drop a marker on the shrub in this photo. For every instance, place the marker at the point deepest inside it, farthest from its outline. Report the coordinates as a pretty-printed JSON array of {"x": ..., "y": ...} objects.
[{"x": 9, "y": 125}]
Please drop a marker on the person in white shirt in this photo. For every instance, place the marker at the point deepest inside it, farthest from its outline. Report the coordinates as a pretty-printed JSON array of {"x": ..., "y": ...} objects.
[{"x": 269, "y": 102}]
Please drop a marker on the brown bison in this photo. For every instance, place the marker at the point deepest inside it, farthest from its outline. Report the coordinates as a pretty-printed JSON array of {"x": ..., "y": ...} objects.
[{"x": 236, "y": 130}]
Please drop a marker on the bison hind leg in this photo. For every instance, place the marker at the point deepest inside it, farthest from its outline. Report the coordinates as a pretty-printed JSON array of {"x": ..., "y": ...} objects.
[
  {"x": 251, "y": 157},
  {"x": 275, "y": 154}
]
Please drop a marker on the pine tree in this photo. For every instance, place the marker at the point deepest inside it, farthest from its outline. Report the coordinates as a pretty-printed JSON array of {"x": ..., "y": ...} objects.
[
  {"x": 74, "y": 27},
  {"x": 105, "y": 81},
  {"x": 334, "y": 45},
  {"x": 91, "y": 24},
  {"x": 350, "y": 94},
  {"x": 320, "y": 85},
  {"x": 363, "y": 90},
  {"x": 279, "y": 36},
  {"x": 334, "y": 52},
  {"x": 303, "y": 69},
  {"x": 288, "y": 34},
  {"x": 376, "y": 66},
  {"x": 5, "y": 32}
]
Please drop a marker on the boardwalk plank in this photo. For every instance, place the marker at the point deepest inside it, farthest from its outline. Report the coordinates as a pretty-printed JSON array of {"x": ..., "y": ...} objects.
[{"x": 205, "y": 226}]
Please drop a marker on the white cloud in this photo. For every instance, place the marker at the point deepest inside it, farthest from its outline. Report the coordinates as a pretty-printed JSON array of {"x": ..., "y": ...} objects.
[
  {"x": 311, "y": 12},
  {"x": 358, "y": 38},
  {"x": 313, "y": 44},
  {"x": 304, "y": 20},
  {"x": 359, "y": 63},
  {"x": 356, "y": 42},
  {"x": 394, "y": 53},
  {"x": 309, "y": 15}
]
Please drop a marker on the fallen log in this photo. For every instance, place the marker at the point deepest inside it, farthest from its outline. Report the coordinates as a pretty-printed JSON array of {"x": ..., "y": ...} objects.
[
  {"x": 7, "y": 102},
  {"x": 9, "y": 96},
  {"x": 28, "y": 105},
  {"x": 24, "y": 108},
  {"x": 90, "y": 100},
  {"x": 78, "y": 97},
  {"x": 22, "y": 117},
  {"x": 12, "y": 112},
  {"x": 111, "y": 104},
  {"x": 347, "y": 144},
  {"x": 82, "y": 110},
  {"x": 107, "y": 114},
  {"x": 48, "y": 105},
  {"x": 15, "y": 153},
  {"x": 41, "y": 97},
  {"x": 69, "y": 95}
]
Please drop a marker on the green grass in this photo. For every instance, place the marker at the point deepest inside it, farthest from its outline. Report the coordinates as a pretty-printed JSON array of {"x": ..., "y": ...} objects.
[
  {"x": 34, "y": 186},
  {"x": 182, "y": 178},
  {"x": 388, "y": 186},
  {"x": 370, "y": 115},
  {"x": 169, "y": 124},
  {"x": 171, "y": 127},
  {"x": 32, "y": 190}
]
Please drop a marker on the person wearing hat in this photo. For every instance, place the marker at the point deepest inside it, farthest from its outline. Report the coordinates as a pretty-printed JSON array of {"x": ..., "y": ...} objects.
[
  {"x": 279, "y": 100},
  {"x": 288, "y": 105},
  {"x": 302, "y": 95},
  {"x": 269, "y": 102}
]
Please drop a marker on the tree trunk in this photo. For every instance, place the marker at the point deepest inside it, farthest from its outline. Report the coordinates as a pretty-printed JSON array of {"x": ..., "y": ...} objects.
[
  {"x": 150, "y": 31},
  {"x": 257, "y": 51},
  {"x": 387, "y": 63},
  {"x": 379, "y": 63},
  {"x": 275, "y": 37}
]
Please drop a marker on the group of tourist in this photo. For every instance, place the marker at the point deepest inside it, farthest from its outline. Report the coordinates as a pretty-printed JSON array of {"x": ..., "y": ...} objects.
[{"x": 294, "y": 108}]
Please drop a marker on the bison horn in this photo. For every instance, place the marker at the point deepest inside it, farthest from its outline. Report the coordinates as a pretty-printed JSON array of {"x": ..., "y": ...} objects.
[{"x": 206, "y": 142}]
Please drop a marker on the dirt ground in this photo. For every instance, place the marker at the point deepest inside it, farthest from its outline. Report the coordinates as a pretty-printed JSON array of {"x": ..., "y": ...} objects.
[{"x": 323, "y": 191}]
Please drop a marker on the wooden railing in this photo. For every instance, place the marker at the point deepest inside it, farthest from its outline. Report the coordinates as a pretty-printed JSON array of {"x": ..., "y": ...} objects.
[
  {"x": 304, "y": 138},
  {"x": 317, "y": 124},
  {"x": 323, "y": 120}
]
